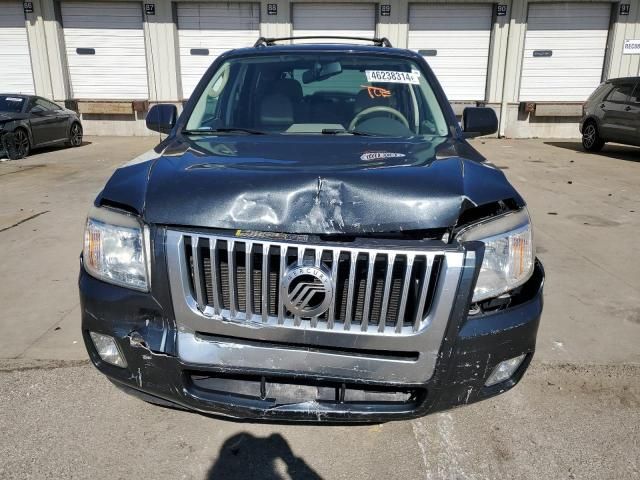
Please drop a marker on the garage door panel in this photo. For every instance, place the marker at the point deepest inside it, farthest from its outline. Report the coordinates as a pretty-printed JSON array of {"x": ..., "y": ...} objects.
[
  {"x": 105, "y": 80},
  {"x": 80, "y": 14},
  {"x": 220, "y": 33},
  {"x": 216, "y": 27},
  {"x": 111, "y": 92},
  {"x": 559, "y": 65},
  {"x": 450, "y": 13},
  {"x": 450, "y": 43},
  {"x": 15, "y": 58},
  {"x": 460, "y": 34},
  {"x": 454, "y": 73},
  {"x": 561, "y": 81},
  {"x": 118, "y": 68},
  {"x": 579, "y": 92},
  {"x": 473, "y": 63},
  {"x": 466, "y": 82},
  {"x": 334, "y": 19},
  {"x": 115, "y": 44},
  {"x": 565, "y": 9},
  {"x": 459, "y": 91},
  {"x": 122, "y": 23},
  {"x": 100, "y": 65},
  {"x": 455, "y": 55},
  {"x": 239, "y": 38},
  {"x": 567, "y": 44},
  {"x": 576, "y": 34},
  {"x": 96, "y": 34},
  {"x": 553, "y": 23},
  {"x": 334, "y": 33}
]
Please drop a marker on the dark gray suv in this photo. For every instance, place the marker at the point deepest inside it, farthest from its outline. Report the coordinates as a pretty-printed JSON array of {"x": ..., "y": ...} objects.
[
  {"x": 612, "y": 114},
  {"x": 315, "y": 240}
]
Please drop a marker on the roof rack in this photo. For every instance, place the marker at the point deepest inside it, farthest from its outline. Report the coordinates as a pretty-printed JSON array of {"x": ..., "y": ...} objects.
[{"x": 268, "y": 42}]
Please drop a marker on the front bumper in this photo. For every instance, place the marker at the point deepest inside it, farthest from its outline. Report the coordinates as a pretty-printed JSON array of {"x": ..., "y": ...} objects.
[{"x": 144, "y": 328}]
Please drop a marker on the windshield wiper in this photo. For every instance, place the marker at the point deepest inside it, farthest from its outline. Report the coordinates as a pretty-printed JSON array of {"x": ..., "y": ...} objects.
[
  {"x": 213, "y": 131},
  {"x": 340, "y": 131}
]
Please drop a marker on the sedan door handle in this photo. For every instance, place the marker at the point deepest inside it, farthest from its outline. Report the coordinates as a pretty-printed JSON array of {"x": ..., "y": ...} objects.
[{"x": 627, "y": 108}]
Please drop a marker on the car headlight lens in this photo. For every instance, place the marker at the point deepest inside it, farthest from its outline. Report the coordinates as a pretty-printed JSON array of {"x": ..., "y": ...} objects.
[
  {"x": 509, "y": 254},
  {"x": 115, "y": 249}
]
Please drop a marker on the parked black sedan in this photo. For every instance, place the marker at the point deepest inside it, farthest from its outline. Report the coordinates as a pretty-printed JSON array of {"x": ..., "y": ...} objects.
[{"x": 28, "y": 121}]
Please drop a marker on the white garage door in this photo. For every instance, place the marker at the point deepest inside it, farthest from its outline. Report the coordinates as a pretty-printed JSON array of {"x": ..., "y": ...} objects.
[
  {"x": 454, "y": 39},
  {"x": 205, "y": 30},
  {"x": 15, "y": 61},
  {"x": 564, "y": 51},
  {"x": 334, "y": 19},
  {"x": 105, "y": 50}
]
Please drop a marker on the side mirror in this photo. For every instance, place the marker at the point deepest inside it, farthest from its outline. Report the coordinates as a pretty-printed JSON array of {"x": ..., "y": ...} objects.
[
  {"x": 477, "y": 121},
  {"x": 162, "y": 118}
]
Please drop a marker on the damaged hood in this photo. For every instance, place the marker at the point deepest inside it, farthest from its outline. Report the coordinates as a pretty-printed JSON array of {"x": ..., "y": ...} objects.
[{"x": 308, "y": 184}]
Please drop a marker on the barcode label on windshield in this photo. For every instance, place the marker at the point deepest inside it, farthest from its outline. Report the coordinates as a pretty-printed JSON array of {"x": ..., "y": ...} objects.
[{"x": 391, "y": 77}]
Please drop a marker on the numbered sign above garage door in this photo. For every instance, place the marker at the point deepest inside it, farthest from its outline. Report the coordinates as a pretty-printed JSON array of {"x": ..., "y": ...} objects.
[
  {"x": 15, "y": 61},
  {"x": 564, "y": 51},
  {"x": 454, "y": 39},
  {"x": 205, "y": 30},
  {"x": 334, "y": 19},
  {"x": 105, "y": 50}
]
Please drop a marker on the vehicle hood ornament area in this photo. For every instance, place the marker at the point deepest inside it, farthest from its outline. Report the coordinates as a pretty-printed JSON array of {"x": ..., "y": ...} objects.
[{"x": 307, "y": 290}]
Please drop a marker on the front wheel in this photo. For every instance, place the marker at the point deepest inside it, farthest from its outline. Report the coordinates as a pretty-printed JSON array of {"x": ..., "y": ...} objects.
[
  {"x": 17, "y": 144},
  {"x": 591, "y": 140},
  {"x": 75, "y": 135}
]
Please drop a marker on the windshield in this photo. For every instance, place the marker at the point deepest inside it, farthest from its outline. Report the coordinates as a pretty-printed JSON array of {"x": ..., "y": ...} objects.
[
  {"x": 319, "y": 94},
  {"x": 11, "y": 104}
]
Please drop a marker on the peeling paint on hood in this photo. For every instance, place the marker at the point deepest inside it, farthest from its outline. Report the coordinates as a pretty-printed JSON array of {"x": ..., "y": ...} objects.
[{"x": 308, "y": 184}]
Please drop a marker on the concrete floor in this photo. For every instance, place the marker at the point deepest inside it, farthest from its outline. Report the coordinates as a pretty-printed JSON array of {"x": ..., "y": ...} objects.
[{"x": 576, "y": 414}]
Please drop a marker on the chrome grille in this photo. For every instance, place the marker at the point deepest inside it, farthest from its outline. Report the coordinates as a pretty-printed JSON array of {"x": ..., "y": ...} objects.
[{"x": 379, "y": 291}]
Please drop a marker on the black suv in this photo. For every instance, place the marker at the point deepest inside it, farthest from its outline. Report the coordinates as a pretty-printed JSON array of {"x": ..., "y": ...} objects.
[
  {"x": 612, "y": 114},
  {"x": 315, "y": 240}
]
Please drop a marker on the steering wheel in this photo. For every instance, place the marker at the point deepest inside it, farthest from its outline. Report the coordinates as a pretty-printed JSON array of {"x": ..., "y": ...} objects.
[{"x": 382, "y": 109}]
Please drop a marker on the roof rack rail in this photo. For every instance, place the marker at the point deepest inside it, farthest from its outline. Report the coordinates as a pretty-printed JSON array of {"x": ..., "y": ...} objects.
[{"x": 268, "y": 42}]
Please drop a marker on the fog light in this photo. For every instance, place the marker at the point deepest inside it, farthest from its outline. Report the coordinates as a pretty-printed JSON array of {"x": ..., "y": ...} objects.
[
  {"x": 504, "y": 370},
  {"x": 108, "y": 349}
]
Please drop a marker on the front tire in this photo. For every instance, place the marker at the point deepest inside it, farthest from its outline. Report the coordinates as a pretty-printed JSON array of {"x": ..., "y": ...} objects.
[
  {"x": 17, "y": 144},
  {"x": 75, "y": 135},
  {"x": 591, "y": 140}
]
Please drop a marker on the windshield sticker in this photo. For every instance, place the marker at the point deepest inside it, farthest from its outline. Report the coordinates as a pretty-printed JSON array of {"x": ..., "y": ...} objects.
[
  {"x": 376, "y": 91},
  {"x": 391, "y": 77},
  {"x": 13, "y": 99},
  {"x": 380, "y": 155}
]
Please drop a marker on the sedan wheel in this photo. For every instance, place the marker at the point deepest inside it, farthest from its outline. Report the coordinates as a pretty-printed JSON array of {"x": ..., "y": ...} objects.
[
  {"x": 17, "y": 144},
  {"x": 75, "y": 137},
  {"x": 591, "y": 140}
]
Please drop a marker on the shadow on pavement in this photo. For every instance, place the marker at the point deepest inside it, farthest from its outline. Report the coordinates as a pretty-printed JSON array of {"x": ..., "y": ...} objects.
[
  {"x": 620, "y": 152},
  {"x": 244, "y": 456},
  {"x": 54, "y": 148}
]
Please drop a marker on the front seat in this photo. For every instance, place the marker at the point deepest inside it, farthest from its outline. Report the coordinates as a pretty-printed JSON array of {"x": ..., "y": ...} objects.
[
  {"x": 275, "y": 112},
  {"x": 291, "y": 88}
]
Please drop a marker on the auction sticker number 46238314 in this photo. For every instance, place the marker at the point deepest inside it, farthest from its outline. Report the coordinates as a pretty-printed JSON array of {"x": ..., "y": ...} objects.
[{"x": 393, "y": 77}]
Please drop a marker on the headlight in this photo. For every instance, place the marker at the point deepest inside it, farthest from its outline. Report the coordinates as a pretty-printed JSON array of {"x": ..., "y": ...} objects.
[
  {"x": 115, "y": 249},
  {"x": 509, "y": 253}
]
